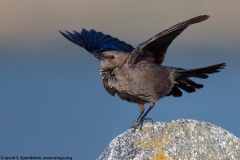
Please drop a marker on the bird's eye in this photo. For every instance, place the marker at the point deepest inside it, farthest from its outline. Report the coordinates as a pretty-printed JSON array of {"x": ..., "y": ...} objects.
[{"x": 111, "y": 57}]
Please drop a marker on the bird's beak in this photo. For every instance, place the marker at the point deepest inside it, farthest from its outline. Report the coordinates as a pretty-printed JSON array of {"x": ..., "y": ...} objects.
[{"x": 100, "y": 56}]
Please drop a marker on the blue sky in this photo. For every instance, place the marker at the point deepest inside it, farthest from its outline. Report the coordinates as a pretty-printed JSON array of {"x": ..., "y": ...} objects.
[{"x": 52, "y": 101}]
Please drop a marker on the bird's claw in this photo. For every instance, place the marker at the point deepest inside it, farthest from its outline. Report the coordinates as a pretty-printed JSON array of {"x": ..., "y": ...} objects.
[
  {"x": 139, "y": 124},
  {"x": 148, "y": 119}
]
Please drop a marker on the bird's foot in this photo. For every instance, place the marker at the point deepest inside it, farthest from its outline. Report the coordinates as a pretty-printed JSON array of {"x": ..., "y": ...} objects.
[
  {"x": 139, "y": 124},
  {"x": 135, "y": 124}
]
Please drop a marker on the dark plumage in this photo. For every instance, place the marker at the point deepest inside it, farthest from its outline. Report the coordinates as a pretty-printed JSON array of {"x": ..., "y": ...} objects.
[
  {"x": 137, "y": 75},
  {"x": 96, "y": 42}
]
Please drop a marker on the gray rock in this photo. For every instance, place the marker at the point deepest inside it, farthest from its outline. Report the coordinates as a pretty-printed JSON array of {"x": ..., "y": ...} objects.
[{"x": 180, "y": 139}]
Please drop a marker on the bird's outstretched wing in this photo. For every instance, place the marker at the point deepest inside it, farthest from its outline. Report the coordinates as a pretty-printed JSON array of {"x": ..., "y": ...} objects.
[
  {"x": 158, "y": 45},
  {"x": 96, "y": 42}
]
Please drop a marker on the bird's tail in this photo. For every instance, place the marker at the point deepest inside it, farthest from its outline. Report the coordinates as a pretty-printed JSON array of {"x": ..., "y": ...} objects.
[{"x": 183, "y": 82}]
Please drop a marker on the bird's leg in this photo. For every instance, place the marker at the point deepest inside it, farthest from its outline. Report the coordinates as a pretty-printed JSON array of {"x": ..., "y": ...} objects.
[
  {"x": 140, "y": 123},
  {"x": 141, "y": 108}
]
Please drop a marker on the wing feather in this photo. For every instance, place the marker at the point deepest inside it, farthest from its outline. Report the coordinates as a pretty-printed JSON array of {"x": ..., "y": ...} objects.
[
  {"x": 158, "y": 44},
  {"x": 96, "y": 42}
]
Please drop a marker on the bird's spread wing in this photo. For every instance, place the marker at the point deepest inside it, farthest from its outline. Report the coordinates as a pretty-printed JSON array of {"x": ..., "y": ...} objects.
[
  {"x": 158, "y": 45},
  {"x": 96, "y": 42}
]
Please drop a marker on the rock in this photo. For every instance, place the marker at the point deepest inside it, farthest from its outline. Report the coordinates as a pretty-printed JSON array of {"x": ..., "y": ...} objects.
[{"x": 180, "y": 139}]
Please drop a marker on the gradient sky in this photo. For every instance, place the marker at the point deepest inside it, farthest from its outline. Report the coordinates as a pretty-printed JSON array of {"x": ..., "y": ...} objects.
[{"x": 52, "y": 102}]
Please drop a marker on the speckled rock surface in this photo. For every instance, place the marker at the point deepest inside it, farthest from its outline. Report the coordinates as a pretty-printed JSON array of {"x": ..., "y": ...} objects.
[{"x": 180, "y": 139}]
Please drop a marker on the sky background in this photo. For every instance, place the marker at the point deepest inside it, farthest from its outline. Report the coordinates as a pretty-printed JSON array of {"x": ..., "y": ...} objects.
[{"x": 52, "y": 101}]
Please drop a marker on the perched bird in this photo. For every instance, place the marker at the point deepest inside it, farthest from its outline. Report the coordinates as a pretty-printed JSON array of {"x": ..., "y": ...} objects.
[{"x": 137, "y": 74}]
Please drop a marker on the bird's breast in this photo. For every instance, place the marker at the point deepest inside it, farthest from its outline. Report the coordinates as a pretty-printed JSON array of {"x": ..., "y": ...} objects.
[{"x": 146, "y": 81}]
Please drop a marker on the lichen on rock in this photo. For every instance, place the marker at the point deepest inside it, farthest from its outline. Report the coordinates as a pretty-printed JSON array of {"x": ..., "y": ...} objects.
[{"x": 180, "y": 139}]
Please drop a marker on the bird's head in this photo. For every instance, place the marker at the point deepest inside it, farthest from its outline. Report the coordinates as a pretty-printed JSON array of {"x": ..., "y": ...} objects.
[{"x": 113, "y": 59}]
